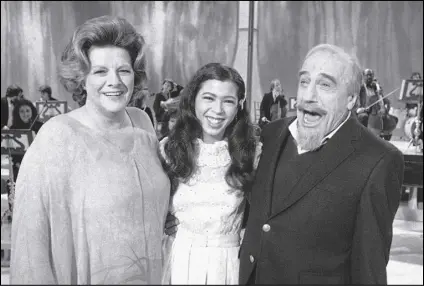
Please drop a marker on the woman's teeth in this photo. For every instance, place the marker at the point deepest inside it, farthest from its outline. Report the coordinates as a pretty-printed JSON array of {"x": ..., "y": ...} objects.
[
  {"x": 214, "y": 120},
  {"x": 113, "y": 93}
]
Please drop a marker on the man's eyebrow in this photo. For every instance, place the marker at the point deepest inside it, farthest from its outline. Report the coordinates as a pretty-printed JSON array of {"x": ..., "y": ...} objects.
[
  {"x": 327, "y": 76},
  {"x": 330, "y": 77},
  {"x": 302, "y": 73}
]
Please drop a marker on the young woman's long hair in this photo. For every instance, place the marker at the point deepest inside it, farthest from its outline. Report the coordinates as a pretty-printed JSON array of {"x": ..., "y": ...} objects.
[{"x": 181, "y": 148}]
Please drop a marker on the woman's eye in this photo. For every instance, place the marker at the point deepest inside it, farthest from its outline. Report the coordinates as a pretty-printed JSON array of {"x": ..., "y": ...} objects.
[
  {"x": 99, "y": 72},
  {"x": 125, "y": 71}
]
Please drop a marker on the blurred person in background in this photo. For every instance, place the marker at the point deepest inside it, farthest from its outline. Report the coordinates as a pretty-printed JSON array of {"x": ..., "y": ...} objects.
[
  {"x": 167, "y": 98},
  {"x": 13, "y": 93},
  {"x": 139, "y": 100},
  {"x": 24, "y": 116},
  {"x": 46, "y": 93},
  {"x": 273, "y": 104},
  {"x": 170, "y": 118}
]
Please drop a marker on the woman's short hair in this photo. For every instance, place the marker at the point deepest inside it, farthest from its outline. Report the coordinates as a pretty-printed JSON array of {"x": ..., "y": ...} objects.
[
  {"x": 101, "y": 31},
  {"x": 13, "y": 90},
  {"x": 16, "y": 118},
  {"x": 181, "y": 147},
  {"x": 47, "y": 89}
]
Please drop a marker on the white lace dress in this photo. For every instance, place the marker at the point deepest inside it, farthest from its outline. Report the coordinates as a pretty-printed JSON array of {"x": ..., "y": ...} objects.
[{"x": 210, "y": 213}]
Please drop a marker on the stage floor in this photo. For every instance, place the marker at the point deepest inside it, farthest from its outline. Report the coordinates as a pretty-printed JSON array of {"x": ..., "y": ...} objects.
[{"x": 406, "y": 257}]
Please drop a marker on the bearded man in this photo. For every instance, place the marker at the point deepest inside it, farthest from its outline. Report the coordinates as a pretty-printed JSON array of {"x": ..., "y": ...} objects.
[{"x": 326, "y": 189}]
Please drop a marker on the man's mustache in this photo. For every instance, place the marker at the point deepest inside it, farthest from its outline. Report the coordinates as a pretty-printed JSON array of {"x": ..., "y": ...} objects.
[{"x": 310, "y": 108}]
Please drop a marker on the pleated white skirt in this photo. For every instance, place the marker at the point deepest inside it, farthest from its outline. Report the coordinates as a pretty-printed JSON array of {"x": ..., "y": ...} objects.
[{"x": 201, "y": 259}]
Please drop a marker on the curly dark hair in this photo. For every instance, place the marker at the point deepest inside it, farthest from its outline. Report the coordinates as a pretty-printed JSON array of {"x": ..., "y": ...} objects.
[
  {"x": 168, "y": 115},
  {"x": 13, "y": 90},
  {"x": 181, "y": 147},
  {"x": 101, "y": 31},
  {"x": 17, "y": 122}
]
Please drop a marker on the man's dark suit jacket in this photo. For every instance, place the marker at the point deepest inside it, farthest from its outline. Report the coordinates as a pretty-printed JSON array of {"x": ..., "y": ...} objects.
[
  {"x": 4, "y": 112},
  {"x": 335, "y": 225},
  {"x": 267, "y": 101}
]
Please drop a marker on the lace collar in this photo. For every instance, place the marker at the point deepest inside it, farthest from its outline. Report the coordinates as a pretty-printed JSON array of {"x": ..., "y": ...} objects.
[{"x": 214, "y": 154}]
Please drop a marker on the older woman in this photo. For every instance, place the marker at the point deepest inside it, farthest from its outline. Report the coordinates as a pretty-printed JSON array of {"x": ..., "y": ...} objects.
[{"x": 91, "y": 196}]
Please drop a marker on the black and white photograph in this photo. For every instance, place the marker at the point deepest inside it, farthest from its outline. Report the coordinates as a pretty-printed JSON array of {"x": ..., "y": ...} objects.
[{"x": 211, "y": 142}]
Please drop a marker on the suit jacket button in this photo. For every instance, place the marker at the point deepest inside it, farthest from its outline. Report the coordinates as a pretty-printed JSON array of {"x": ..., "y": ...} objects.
[
  {"x": 252, "y": 259},
  {"x": 266, "y": 227}
]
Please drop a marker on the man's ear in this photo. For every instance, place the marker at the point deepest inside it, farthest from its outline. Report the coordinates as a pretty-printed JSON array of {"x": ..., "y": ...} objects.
[{"x": 351, "y": 101}]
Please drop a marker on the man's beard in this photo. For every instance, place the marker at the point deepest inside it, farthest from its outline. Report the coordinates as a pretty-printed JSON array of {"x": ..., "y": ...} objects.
[{"x": 309, "y": 139}]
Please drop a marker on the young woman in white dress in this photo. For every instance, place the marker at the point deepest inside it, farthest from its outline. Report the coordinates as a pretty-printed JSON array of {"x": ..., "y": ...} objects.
[{"x": 210, "y": 156}]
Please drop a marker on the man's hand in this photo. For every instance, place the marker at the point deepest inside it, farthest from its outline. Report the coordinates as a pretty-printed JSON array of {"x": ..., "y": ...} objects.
[
  {"x": 360, "y": 110},
  {"x": 171, "y": 224},
  {"x": 381, "y": 112}
]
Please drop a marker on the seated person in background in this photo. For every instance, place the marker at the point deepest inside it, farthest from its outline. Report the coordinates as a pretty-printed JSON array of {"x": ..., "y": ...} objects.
[
  {"x": 24, "y": 117},
  {"x": 389, "y": 121},
  {"x": 13, "y": 93},
  {"x": 46, "y": 93},
  {"x": 273, "y": 105},
  {"x": 418, "y": 90},
  {"x": 139, "y": 100},
  {"x": 370, "y": 113},
  {"x": 170, "y": 91},
  {"x": 170, "y": 118}
]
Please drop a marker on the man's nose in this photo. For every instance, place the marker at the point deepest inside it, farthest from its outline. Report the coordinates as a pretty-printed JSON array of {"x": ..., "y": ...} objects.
[{"x": 311, "y": 93}]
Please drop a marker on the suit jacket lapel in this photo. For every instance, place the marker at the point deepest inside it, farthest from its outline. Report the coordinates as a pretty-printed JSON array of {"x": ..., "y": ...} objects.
[
  {"x": 338, "y": 148},
  {"x": 268, "y": 164}
]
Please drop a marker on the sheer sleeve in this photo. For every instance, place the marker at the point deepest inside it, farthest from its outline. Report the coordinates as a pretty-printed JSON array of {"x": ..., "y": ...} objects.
[{"x": 43, "y": 172}]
